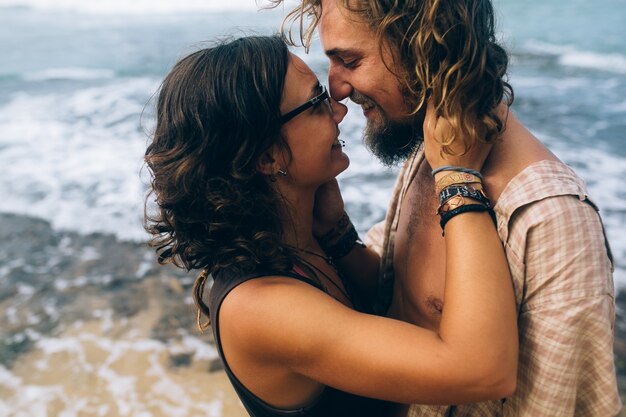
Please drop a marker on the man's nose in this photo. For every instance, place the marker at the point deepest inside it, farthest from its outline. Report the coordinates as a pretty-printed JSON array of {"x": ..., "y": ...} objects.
[{"x": 338, "y": 84}]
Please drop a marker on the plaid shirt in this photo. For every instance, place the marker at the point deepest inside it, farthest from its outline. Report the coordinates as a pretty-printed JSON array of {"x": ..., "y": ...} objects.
[{"x": 562, "y": 267}]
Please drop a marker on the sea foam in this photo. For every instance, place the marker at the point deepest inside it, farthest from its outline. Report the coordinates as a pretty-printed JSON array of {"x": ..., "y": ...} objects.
[
  {"x": 75, "y": 158},
  {"x": 569, "y": 55}
]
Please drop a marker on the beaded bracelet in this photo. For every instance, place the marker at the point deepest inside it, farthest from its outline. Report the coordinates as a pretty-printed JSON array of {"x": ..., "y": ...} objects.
[{"x": 446, "y": 217}]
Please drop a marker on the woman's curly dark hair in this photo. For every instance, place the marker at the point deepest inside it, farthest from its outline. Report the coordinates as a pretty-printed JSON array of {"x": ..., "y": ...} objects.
[
  {"x": 446, "y": 50},
  {"x": 216, "y": 116}
]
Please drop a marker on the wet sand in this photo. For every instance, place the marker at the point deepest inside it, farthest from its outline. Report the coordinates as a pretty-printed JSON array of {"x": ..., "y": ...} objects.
[{"x": 90, "y": 326}]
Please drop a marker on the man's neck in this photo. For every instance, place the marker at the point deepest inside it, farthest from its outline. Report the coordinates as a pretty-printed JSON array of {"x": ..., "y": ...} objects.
[{"x": 515, "y": 150}]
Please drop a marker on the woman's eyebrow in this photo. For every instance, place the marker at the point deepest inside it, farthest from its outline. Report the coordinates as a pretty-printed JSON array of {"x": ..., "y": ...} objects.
[{"x": 317, "y": 87}]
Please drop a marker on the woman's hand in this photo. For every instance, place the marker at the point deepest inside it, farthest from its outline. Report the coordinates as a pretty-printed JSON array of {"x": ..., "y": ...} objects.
[
  {"x": 328, "y": 208},
  {"x": 436, "y": 129}
]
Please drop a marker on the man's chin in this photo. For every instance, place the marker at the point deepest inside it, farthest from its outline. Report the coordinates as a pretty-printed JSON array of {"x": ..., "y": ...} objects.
[{"x": 392, "y": 143}]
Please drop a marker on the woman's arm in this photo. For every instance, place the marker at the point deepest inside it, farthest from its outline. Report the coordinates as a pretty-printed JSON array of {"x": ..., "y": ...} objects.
[
  {"x": 297, "y": 328},
  {"x": 290, "y": 325}
]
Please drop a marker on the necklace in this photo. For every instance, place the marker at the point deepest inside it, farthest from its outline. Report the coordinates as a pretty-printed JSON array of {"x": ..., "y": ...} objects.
[
  {"x": 327, "y": 258},
  {"x": 343, "y": 291}
]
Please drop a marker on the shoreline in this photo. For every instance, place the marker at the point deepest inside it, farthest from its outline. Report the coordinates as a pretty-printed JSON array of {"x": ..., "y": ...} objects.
[{"x": 95, "y": 325}]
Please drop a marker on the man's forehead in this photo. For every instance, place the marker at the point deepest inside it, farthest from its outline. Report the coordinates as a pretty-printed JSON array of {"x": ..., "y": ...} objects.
[
  {"x": 340, "y": 32},
  {"x": 335, "y": 11}
]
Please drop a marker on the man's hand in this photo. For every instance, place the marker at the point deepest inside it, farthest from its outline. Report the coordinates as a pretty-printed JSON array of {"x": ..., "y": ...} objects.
[{"x": 436, "y": 129}]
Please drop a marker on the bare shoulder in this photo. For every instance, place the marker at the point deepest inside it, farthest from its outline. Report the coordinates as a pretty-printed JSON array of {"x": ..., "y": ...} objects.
[
  {"x": 257, "y": 299},
  {"x": 268, "y": 314}
]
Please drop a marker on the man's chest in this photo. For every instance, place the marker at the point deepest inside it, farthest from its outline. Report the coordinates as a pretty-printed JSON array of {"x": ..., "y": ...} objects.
[{"x": 419, "y": 257}]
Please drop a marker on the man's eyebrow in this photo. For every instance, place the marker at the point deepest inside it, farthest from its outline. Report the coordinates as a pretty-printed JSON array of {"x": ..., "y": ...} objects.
[{"x": 340, "y": 51}]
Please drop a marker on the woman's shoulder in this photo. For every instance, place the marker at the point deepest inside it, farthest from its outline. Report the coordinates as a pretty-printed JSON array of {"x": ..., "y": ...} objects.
[
  {"x": 271, "y": 313},
  {"x": 226, "y": 280},
  {"x": 259, "y": 290}
]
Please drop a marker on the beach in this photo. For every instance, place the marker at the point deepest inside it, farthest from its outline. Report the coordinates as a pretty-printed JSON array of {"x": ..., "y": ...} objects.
[
  {"x": 111, "y": 333},
  {"x": 90, "y": 324}
]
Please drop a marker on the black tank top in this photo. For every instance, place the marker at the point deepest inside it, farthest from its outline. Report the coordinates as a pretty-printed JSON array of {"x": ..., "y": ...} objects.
[{"x": 330, "y": 403}]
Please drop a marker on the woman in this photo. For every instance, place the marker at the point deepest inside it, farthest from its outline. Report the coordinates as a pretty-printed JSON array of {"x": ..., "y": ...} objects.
[{"x": 245, "y": 138}]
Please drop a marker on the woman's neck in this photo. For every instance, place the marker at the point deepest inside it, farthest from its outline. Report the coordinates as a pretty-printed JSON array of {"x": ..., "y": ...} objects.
[{"x": 298, "y": 219}]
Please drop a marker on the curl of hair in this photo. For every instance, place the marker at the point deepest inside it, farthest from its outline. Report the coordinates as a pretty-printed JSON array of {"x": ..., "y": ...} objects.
[
  {"x": 446, "y": 50},
  {"x": 216, "y": 113}
]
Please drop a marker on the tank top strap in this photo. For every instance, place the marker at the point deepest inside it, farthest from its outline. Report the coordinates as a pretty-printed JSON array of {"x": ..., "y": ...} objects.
[{"x": 223, "y": 284}]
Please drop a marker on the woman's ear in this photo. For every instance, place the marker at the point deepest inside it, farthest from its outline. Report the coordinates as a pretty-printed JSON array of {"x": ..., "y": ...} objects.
[
  {"x": 266, "y": 164},
  {"x": 273, "y": 161}
]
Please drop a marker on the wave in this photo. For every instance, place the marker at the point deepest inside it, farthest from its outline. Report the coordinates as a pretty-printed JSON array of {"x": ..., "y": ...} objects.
[
  {"x": 69, "y": 73},
  {"x": 140, "y": 6},
  {"x": 569, "y": 55},
  {"x": 75, "y": 158}
]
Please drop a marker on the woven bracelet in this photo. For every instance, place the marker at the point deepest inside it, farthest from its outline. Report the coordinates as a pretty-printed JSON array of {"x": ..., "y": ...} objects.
[
  {"x": 456, "y": 178},
  {"x": 446, "y": 217},
  {"x": 342, "y": 226},
  {"x": 344, "y": 245}
]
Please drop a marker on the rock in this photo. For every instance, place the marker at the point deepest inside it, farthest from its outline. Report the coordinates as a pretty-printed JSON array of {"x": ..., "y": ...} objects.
[{"x": 216, "y": 365}]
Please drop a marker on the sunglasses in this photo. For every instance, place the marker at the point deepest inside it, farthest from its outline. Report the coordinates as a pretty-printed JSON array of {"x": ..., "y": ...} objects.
[{"x": 324, "y": 96}]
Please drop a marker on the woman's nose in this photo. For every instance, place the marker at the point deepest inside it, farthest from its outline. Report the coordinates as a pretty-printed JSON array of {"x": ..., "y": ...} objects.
[{"x": 339, "y": 110}]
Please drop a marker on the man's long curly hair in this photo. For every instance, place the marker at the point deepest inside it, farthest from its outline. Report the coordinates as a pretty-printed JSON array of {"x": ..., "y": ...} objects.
[
  {"x": 443, "y": 50},
  {"x": 216, "y": 116}
]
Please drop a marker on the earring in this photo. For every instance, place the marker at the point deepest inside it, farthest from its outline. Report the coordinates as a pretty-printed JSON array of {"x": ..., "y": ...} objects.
[{"x": 283, "y": 173}]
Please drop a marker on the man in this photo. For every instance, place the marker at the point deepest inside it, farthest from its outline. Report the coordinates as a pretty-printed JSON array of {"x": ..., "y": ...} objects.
[{"x": 391, "y": 57}]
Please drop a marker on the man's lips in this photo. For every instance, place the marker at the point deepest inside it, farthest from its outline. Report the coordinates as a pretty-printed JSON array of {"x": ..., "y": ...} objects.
[
  {"x": 367, "y": 106},
  {"x": 365, "y": 103}
]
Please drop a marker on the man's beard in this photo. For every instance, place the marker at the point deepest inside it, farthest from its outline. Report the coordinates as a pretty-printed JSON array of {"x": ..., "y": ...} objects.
[{"x": 392, "y": 142}]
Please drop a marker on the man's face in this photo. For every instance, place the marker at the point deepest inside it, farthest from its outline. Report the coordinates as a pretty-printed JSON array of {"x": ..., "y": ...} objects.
[{"x": 358, "y": 71}]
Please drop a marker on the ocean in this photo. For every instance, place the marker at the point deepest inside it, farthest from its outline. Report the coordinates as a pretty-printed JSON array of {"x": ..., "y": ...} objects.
[{"x": 77, "y": 80}]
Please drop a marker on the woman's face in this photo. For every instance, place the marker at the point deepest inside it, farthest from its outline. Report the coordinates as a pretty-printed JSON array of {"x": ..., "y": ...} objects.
[{"x": 312, "y": 135}]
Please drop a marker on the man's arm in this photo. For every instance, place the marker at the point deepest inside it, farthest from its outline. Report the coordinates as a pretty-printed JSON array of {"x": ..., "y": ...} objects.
[{"x": 557, "y": 246}]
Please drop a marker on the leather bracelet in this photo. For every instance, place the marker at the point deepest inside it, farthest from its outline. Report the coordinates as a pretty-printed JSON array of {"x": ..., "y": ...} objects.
[
  {"x": 466, "y": 208},
  {"x": 465, "y": 191}
]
